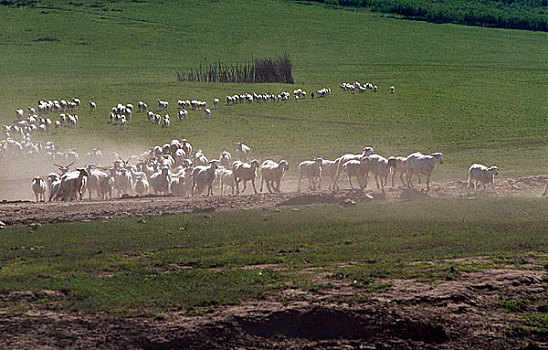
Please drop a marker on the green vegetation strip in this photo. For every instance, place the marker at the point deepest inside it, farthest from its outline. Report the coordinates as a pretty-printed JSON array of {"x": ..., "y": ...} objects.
[
  {"x": 514, "y": 14},
  {"x": 194, "y": 261}
]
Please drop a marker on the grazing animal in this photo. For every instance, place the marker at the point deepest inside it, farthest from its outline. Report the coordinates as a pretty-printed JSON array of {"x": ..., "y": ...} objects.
[
  {"x": 272, "y": 173},
  {"x": 397, "y": 165},
  {"x": 163, "y": 104},
  {"x": 359, "y": 169},
  {"x": 227, "y": 179},
  {"x": 72, "y": 185},
  {"x": 329, "y": 170},
  {"x": 245, "y": 172},
  {"x": 367, "y": 151},
  {"x": 311, "y": 169},
  {"x": 39, "y": 187},
  {"x": 379, "y": 166},
  {"x": 420, "y": 164},
  {"x": 224, "y": 159},
  {"x": 141, "y": 186},
  {"x": 242, "y": 151},
  {"x": 94, "y": 180},
  {"x": 203, "y": 176},
  {"x": 160, "y": 181},
  {"x": 481, "y": 173}
]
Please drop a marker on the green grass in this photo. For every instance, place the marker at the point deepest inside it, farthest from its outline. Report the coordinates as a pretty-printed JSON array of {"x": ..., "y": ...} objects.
[
  {"x": 526, "y": 14},
  {"x": 512, "y": 305},
  {"x": 189, "y": 261},
  {"x": 475, "y": 94}
]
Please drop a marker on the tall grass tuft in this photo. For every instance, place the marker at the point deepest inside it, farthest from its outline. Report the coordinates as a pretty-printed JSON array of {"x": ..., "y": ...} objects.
[{"x": 266, "y": 70}]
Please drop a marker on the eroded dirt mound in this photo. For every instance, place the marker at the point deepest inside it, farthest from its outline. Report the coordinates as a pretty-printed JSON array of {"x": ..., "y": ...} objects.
[{"x": 455, "y": 314}]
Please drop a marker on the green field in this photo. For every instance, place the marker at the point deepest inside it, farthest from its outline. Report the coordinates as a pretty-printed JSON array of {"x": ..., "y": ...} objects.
[
  {"x": 190, "y": 261},
  {"x": 475, "y": 94}
]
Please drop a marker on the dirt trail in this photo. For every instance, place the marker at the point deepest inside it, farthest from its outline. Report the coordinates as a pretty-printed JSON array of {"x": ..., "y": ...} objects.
[{"x": 25, "y": 212}]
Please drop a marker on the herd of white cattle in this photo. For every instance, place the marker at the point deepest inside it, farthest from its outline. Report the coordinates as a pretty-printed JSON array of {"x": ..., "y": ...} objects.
[{"x": 177, "y": 169}]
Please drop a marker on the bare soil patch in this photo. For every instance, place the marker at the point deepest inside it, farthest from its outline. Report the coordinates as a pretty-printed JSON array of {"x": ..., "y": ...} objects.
[{"x": 458, "y": 314}]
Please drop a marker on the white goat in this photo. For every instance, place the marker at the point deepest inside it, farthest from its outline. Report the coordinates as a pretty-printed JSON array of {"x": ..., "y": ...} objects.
[
  {"x": 481, "y": 173},
  {"x": 227, "y": 179},
  {"x": 141, "y": 185},
  {"x": 186, "y": 146},
  {"x": 312, "y": 169},
  {"x": 123, "y": 181},
  {"x": 243, "y": 151},
  {"x": 359, "y": 169},
  {"x": 54, "y": 189},
  {"x": 39, "y": 187},
  {"x": 72, "y": 185},
  {"x": 398, "y": 165},
  {"x": 165, "y": 121},
  {"x": 367, "y": 151},
  {"x": 203, "y": 176},
  {"x": 141, "y": 106},
  {"x": 105, "y": 187},
  {"x": 94, "y": 180},
  {"x": 198, "y": 158},
  {"x": 178, "y": 185},
  {"x": 224, "y": 159},
  {"x": 52, "y": 177},
  {"x": 245, "y": 172},
  {"x": 163, "y": 104},
  {"x": 378, "y": 165},
  {"x": 272, "y": 173},
  {"x": 329, "y": 170},
  {"x": 19, "y": 113},
  {"x": 182, "y": 114},
  {"x": 160, "y": 181},
  {"x": 421, "y": 164}
]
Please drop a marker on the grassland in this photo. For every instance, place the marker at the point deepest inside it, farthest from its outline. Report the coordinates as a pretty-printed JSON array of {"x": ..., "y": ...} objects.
[
  {"x": 475, "y": 94},
  {"x": 520, "y": 14},
  {"x": 192, "y": 261}
]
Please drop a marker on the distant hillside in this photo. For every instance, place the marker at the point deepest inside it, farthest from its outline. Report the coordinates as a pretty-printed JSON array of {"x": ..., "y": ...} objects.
[{"x": 513, "y": 14}]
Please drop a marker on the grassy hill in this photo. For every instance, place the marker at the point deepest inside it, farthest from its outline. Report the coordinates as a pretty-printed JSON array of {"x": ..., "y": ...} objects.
[{"x": 475, "y": 94}]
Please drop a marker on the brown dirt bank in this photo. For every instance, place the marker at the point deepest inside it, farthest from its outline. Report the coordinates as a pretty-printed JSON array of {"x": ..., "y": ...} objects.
[{"x": 457, "y": 314}]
